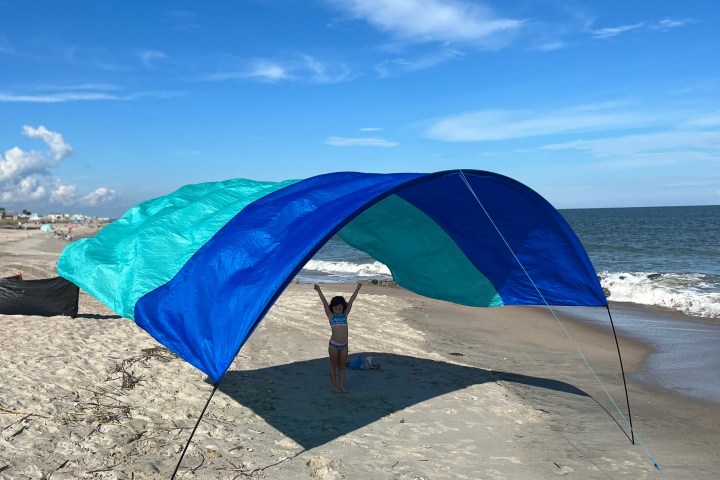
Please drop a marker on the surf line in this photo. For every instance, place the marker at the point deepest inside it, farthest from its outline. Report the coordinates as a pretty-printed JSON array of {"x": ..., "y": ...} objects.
[{"x": 634, "y": 437}]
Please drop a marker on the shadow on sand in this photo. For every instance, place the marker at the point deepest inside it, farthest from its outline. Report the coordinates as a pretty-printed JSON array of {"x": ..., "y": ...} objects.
[
  {"x": 97, "y": 316},
  {"x": 296, "y": 399}
]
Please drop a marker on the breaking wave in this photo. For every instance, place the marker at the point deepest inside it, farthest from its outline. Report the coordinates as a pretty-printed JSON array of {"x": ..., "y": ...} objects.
[
  {"x": 345, "y": 269},
  {"x": 694, "y": 294}
]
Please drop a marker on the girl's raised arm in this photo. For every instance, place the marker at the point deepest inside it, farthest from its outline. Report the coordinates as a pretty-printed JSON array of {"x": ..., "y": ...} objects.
[
  {"x": 352, "y": 299},
  {"x": 328, "y": 312}
]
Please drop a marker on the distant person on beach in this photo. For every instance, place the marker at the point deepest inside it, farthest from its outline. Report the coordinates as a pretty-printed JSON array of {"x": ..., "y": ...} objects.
[{"x": 337, "y": 312}]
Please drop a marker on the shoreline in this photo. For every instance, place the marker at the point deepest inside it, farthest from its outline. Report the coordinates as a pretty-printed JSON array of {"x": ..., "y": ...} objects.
[{"x": 463, "y": 393}]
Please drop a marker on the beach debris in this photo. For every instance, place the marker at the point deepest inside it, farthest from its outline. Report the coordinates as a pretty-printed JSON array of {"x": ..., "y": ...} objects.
[
  {"x": 104, "y": 407},
  {"x": 654, "y": 276},
  {"x": 213, "y": 452},
  {"x": 18, "y": 412},
  {"x": 129, "y": 379}
]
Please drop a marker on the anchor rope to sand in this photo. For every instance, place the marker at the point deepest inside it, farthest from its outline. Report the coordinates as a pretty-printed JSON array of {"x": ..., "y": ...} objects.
[{"x": 567, "y": 334}]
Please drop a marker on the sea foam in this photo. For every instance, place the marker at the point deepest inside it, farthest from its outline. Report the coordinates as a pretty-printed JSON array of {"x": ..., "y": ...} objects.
[
  {"x": 374, "y": 269},
  {"x": 694, "y": 294}
]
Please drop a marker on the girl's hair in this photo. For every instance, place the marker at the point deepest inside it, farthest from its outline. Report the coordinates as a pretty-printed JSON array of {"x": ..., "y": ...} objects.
[{"x": 338, "y": 301}]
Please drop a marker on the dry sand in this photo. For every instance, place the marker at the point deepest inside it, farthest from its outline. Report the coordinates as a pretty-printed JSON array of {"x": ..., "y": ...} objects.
[{"x": 463, "y": 393}]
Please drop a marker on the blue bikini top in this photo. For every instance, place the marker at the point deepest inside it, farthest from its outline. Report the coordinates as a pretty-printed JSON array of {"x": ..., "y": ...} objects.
[{"x": 339, "y": 319}]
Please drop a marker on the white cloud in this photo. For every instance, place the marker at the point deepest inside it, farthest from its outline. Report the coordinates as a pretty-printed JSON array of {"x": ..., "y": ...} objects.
[
  {"x": 83, "y": 86},
  {"x": 54, "y": 140},
  {"x": 421, "y": 21},
  {"x": 28, "y": 188},
  {"x": 359, "y": 142},
  {"x": 148, "y": 57},
  {"x": 57, "y": 97},
  {"x": 97, "y": 197},
  {"x": 64, "y": 194},
  {"x": 692, "y": 145},
  {"x": 268, "y": 71},
  {"x": 402, "y": 65},
  {"x": 262, "y": 70},
  {"x": 25, "y": 176},
  {"x": 490, "y": 125},
  {"x": 549, "y": 46},
  {"x": 18, "y": 164},
  {"x": 610, "y": 32},
  {"x": 370, "y": 129},
  {"x": 78, "y": 93},
  {"x": 300, "y": 68},
  {"x": 662, "y": 25},
  {"x": 669, "y": 23}
]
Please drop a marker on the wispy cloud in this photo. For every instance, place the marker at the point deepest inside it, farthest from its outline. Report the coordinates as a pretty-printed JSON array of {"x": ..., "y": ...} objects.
[
  {"x": 549, "y": 46},
  {"x": 402, "y": 65},
  {"x": 268, "y": 71},
  {"x": 300, "y": 68},
  {"x": 359, "y": 142},
  {"x": 669, "y": 23},
  {"x": 370, "y": 129},
  {"x": 609, "y": 32},
  {"x": 82, "y": 87},
  {"x": 491, "y": 125},
  {"x": 150, "y": 57},
  {"x": 662, "y": 25},
  {"x": 87, "y": 93},
  {"x": 702, "y": 144},
  {"x": 58, "y": 97},
  {"x": 421, "y": 21}
]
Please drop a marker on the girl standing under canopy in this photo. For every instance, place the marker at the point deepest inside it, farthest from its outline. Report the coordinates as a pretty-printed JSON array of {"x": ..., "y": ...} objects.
[{"x": 337, "y": 312}]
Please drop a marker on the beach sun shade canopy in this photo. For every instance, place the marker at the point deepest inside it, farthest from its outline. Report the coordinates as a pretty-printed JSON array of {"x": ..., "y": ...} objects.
[{"x": 199, "y": 268}]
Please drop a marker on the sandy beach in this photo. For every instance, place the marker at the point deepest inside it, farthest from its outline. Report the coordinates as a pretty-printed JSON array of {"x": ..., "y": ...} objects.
[{"x": 463, "y": 393}]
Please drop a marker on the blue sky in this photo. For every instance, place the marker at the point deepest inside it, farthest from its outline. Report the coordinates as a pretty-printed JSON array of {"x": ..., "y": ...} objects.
[{"x": 592, "y": 104}]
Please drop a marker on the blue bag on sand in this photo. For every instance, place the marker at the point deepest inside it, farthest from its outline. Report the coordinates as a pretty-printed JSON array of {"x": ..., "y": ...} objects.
[{"x": 356, "y": 364}]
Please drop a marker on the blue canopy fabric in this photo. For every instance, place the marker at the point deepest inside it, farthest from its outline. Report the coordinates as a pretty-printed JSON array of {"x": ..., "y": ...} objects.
[{"x": 199, "y": 268}]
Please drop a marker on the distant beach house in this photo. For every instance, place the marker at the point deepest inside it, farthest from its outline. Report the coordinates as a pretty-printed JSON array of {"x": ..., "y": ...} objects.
[
  {"x": 7, "y": 214},
  {"x": 57, "y": 216}
]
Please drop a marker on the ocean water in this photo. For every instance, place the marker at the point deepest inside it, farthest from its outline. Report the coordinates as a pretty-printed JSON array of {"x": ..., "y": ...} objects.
[
  {"x": 661, "y": 263},
  {"x": 628, "y": 247}
]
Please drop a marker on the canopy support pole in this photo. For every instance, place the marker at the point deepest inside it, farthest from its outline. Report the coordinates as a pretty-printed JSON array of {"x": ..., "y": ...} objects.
[
  {"x": 182, "y": 455},
  {"x": 622, "y": 370},
  {"x": 627, "y": 421}
]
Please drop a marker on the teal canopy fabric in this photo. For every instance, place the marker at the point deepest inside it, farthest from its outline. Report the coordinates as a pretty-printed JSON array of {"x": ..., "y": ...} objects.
[{"x": 198, "y": 269}]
